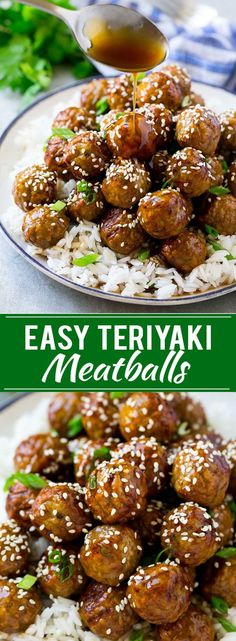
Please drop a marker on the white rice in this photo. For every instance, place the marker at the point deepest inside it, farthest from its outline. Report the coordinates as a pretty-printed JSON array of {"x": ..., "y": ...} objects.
[
  {"x": 60, "y": 621},
  {"x": 112, "y": 273}
]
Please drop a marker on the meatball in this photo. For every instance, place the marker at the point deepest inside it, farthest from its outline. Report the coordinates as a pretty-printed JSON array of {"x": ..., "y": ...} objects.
[
  {"x": 224, "y": 523},
  {"x": 230, "y": 454},
  {"x": 228, "y": 131},
  {"x": 158, "y": 165},
  {"x": 14, "y": 549},
  {"x": 188, "y": 532},
  {"x": 100, "y": 414},
  {"x": 44, "y": 227},
  {"x": 188, "y": 410},
  {"x": 150, "y": 522},
  {"x": 59, "y": 513},
  {"x": 186, "y": 251},
  {"x": 161, "y": 120},
  {"x": 19, "y": 502},
  {"x": 181, "y": 76},
  {"x": 150, "y": 457},
  {"x": 120, "y": 94},
  {"x": 219, "y": 212},
  {"x": 75, "y": 119},
  {"x": 86, "y": 201},
  {"x": 231, "y": 178},
  {"x": 63, "y": 407},
  {"x": 18, "y": 608},
  {"x": 125, "y": 183},
  {"x": 92, "y": 92},
  {"x": 35, "y": 185},
  {"x": 189, "y": 172},
  {"x": 121, "y": 231},
  {"x": 159, "y": 87},
  {"x": 116, "y": 492},
  {"x": 201, "y": 474},
  {"x": 148, "y": 414},
  {"x": 43, "y": 453},
  {"x": 194, "y": 625},
  {"x": 110, "y": 553},
  {"x": 54, "y": 157},
  {"x": 159, "y": 593},
  {"x": 198, "y": 127},
  {"x": 60, "y": 573},
  {"x": 86, "y": 155},
  {"x": 219, "y": 580},
  {"x": 216, "y": 171},
  {"x": 132, "y": 135},
  {"x": 89, "y": 454},
  {"x": 106, "y": 611},
  {"x": 164, "y": 213}
]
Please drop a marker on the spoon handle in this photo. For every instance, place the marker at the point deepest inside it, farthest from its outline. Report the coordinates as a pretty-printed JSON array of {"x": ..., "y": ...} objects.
[{"x": 55, "y": 10}]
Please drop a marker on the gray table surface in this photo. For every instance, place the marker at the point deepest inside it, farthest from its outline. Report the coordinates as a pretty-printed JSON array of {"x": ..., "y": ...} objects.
[{"x": 25, "y": 290}]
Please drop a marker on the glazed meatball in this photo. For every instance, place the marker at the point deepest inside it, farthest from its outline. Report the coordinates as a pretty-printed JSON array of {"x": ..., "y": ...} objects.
[
  {"x": 92, "y": 92},
  {"x": 231, "y": 177},
  {"x": 188, "y": 410},
  {"x": 60, "y": 573},
  {"x": 194, "y": 625},
  {"x": 86, "y": 201},
  {"x": 54, "y": 156},
  {"x": 230, "y": 454},
  {"x": 224, "y": 523},
  {"x": 181, "y": 76},
  {"x": 89, "y": 454},
  {"x": 110, "y": 553},
  {"x": 188, "y": 532},
  {"x": 159, "y": 87},
  {"x": 161, "y": 120},
  {"x": 106, "y": 611},
  {"x": 150, "y": 457},
  {"x": 148, "y": 414},
  {"x": 164, "y": 213},
  {"x": 86, "y": 155},
  {"x": 132, "y": 135},
  {"x": 159, "y": 593},
  {"x": 35, "y": 185},
  {"x": 63, "y": 407},
  {"x": 150, "y": 522},
  {"x": 189, "y": 172},
  {"x": 158, "y": 165},
  {"x": 219, "y": 580},
  {"x": 116, "y": 492},
  {"x": 100, "y": 414},
  {"x": 201, "y": 474},
  {"x": 121, "y": 231},
  {"x": 19, "y": 502},
  {"x": 228, "y": 131},
  {"x": 44, "y": 227},
  {"x": 216, "y": 171},
  {"x": 14, "y": 549},
  {"x": 18, "y": 608},
  {"x": 219, "y": 212},
  {"x": 43, "y": 453},
  {"x": 120, "y": 95},
  {"x": 125, "y": 183},
  {"x": 59, "y": 513},
  {"x": 75, "y": 119},
  {"x": 198, "y": 127},
  {"x": 186, "y": 251}
]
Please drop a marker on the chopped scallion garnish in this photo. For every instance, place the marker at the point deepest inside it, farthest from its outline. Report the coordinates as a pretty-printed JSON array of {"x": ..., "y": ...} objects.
[
  {"x": 27, "y": 479},
  {"x": 219, "y": 190},
  {"x": 92, "y": 482},
  {"x": 27, "y": 582},
  {"x": 144, "y": 254},
  {"x": 227, "y": 625},
  {"x": 102, "y": 106},
  {"x": 75, "y": 426},
  {"x": 54, "y": 556},
  {"x": 58, "y": 205},
  {"x": 211, "y": 231},
  {"x": 102, "y": 453},
  {"x": 116, "y": 394},
  {"x": 226, "y": 553},
  {"x": 86, "y": 260},
  {"x": 63, "y": 132},
  {"x": 219, "y": 604}
]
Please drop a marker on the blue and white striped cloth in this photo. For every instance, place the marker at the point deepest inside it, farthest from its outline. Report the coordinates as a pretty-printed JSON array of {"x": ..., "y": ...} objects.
[{"x": 205, "y": 44}]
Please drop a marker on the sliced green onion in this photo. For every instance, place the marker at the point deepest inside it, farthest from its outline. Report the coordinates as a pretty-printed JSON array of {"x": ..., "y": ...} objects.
[
  {"x": 102, "y": 106},
  {"x": 144, "y": 254},
  {"x": 217, "y": 247},
  {"x": 224, "y": 165},
  {"x": 87, "y": 191},
  {"x": 116, "y": 394},
  {"x": 219, "y": 190},
  {"x": 226, "y": 553},
  {"x": 159, "y": 555},
  {"x": 211, "y": 231},
  {"x": 86, "y": 260},
  {"x": 232, "y": 507},
  {"x": 27, "y": 582},
  {"x": 66, "y": 569},
  {"x": 92, "y": 482},
  {"x": 227, "y": 625},
  {"x": 54, "y": 557},
  {"x": 183, "y": 429},
  {"x": 219, "y": 604},
  {"x": 58, "y": 205},
  {"x": 140, "y": 76},
  {"x": 102, "y": 453},
  {"x": 75, "y": 426},
  {"x": 167, "y": 183},
  {"x": 63, "y": 132},
  {"x": 136, "y": 635},
  {"x": 27, "y": 479},
  {"x": 119, "y": 115}
]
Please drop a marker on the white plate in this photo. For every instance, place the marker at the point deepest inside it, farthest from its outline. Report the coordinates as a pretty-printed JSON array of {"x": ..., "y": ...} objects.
[{"x": 217, "y": 99}]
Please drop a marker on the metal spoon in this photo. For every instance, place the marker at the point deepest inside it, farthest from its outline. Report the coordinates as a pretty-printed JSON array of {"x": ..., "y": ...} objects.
[{"x": 86, "y": 21}]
